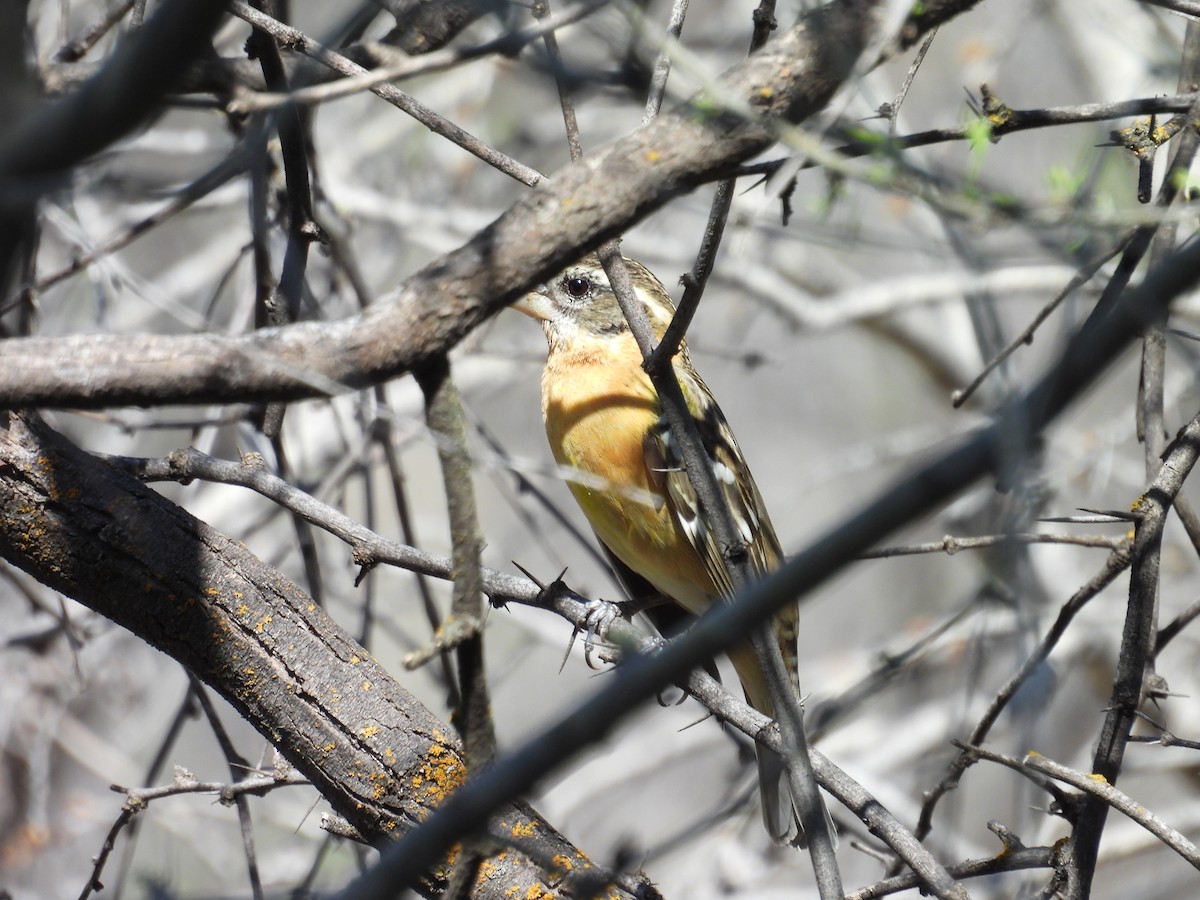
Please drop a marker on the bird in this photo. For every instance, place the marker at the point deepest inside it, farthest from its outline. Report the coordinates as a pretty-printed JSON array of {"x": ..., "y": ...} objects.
[{"x": 605, "y": 424}]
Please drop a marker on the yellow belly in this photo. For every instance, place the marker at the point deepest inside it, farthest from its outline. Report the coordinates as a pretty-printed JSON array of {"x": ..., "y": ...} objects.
[{"x": 596, "y": 423}]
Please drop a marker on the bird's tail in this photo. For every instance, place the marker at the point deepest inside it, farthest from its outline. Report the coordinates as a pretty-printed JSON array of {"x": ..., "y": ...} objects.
[{"x": 781, "y": 816}]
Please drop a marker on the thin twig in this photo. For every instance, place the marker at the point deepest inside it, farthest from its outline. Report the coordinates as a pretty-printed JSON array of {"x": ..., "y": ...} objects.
[
  {"x": 1018, "y": 120},
  {"x": 662, "y": 65},
  {"x": 951, "y": 545},
  {"x": 550, "y": 40},
  {"x": 697, "y": 279},
  {"x": 436, "y": 123},
  {"x": 226, "y": 792},
  {"x": 1172, "y": 629},
  {"x": 1164, "y": 738},
  {"x": 238, "y": 767},
  {"x": 1138, "y": 633},
  {"x": 1117, "y": 562},
  {"x": 1183, "y": 7},
  {"x": 1095, "y": 785},
  {"x": 223, "y": 172},
  {"x": 281, "y": 305},
  {"x": 443, "y": 411},
  {"x": 824, "y": 714},
  {"x": 892, "y": 112},
  {"x": 1061, "y": 798},
  {"x": 404, "y": 66},
  {"x": 137, "y": 799},
  {"x": 78, "y": 48},
  {"x": 1016, "y": 861},
  {"x": 958, "y": 398}
]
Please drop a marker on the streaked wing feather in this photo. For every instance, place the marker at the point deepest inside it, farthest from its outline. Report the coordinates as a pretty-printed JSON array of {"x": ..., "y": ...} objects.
[
  {"x": 739, "y": 490},
  {"x": 733, "y": 480}
]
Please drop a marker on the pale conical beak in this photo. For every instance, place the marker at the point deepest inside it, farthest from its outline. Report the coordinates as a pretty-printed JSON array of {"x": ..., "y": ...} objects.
[{"x": 536, "y": 304}]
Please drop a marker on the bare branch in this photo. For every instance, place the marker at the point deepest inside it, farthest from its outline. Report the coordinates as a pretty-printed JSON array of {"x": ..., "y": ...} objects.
[
  {"x": 790, "y": 78},
  {"x": 1099, "y": 787}
]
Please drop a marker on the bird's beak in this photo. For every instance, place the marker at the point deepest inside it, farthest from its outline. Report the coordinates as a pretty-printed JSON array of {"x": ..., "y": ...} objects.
[{"x": 535, "y": 304}]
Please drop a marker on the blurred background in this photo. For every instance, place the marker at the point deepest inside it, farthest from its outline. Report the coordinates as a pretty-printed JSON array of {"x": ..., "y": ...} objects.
[{"x": 833, "y": 342}]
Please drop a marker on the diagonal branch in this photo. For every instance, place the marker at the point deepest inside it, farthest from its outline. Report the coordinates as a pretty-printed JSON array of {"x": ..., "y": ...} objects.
[
  {"x": 381, "y": 759},
  {"x": 917, "y": 493},
  {"x": 790, "y": 79}
]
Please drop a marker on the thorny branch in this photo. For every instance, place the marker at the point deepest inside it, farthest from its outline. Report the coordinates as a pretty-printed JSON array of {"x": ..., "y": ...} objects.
[{"x": 370, "y": 549}]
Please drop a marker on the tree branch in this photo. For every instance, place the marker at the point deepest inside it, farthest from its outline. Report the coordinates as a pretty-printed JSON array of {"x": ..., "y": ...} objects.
[
  {"x": 380, "y": 758},
  {"x": 790, "y": 78}
]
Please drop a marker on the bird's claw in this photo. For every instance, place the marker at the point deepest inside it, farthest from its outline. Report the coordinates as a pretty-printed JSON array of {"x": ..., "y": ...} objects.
[{"x": 599, "y": 618}]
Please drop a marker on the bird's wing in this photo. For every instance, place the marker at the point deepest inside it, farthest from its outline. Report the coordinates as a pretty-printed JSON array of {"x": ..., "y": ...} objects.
[
  {"x": 739, "y": 490},
  {"x": 733, "y": 480}
]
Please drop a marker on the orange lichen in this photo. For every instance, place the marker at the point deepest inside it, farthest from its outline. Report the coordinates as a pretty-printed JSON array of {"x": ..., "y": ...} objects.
[
  {"x": 442, "y": 873},
  {"x": 524, "y": 829},
  {"x": 380, "y": 785},
  {"x": 440, "y": 772},
  {"x": 487, "y": 869}
]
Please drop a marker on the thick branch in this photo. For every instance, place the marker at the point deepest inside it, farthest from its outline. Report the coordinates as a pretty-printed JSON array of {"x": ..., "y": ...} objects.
[
  {"x": 791, "y": 78},
  {"x": 914, "y": 494},
  {"x": 56, "y": 135},
  {"x": 380, "y": 758}
]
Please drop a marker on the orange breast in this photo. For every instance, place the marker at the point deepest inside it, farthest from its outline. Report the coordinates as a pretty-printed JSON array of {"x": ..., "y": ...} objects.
[{"x": 597, "y": 416}]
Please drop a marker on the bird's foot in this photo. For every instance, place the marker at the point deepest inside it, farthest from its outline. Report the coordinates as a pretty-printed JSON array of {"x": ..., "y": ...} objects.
[{"x": 599, "y": 618}]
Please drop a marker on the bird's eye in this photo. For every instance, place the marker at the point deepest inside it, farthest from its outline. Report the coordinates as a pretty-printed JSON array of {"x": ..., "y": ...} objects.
[{"x": 577, "y": 286}]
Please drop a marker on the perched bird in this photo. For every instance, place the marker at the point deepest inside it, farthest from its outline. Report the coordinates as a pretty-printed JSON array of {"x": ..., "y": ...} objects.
[{"x": 604, "y": 421}]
